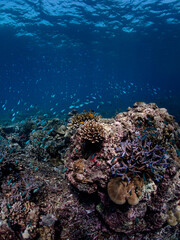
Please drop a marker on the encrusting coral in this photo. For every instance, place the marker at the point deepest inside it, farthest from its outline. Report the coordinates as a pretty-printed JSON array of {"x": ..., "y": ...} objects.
[
  {"x": 121, "y": 191},
  {"x": 174, "y": 215},
  {"x": 172, "y": 220},
  {"x": 177, "y": 213}
]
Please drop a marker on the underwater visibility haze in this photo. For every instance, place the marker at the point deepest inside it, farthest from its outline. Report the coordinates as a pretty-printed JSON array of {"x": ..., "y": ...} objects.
[
  {"x": 100, "y": 55},
  {"x": 89, "y": 119}
]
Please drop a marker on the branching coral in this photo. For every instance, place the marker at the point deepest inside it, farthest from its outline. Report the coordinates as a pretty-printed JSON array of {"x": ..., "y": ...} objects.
[
  {"x": 90, "y": 137},
  {"x": 92, "y": 131},
  {"x": 141, "y": 157},
  {"x": 81, "y": 118},
  {"x": 121, "y": 191}
]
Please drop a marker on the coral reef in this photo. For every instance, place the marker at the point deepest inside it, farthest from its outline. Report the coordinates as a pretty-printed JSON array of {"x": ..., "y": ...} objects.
[
  {"x": 53, "y": 185},
  {"x": 139, "y": 144},
  {"x": 79, "y": 119}
]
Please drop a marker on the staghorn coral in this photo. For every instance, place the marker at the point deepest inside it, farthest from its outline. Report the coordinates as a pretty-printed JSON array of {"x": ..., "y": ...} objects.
[
  {"x": 79, "y": 119},
  {"x": 140, "y": 156},
  {"x": 121, "y": 191}
]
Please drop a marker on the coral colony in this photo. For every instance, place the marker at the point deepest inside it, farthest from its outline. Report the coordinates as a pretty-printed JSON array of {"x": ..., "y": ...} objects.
[
  {"x": 94, "y": 178},
  {"x": 140, "y": 157}
]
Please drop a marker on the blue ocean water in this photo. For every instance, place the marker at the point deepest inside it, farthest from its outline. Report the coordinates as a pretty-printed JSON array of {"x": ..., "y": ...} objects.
[{"x": 57, "y": 55}]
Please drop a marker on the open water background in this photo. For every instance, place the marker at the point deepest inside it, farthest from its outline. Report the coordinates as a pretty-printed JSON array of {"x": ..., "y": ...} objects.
[{"x": 56, "y": 56}]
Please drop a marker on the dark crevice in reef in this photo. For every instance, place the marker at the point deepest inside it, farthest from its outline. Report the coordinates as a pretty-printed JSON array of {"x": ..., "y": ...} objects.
[
  {"x": 88, "y": 148},
  {"x": 84, "y": 197},
  {"x": 58, "y": 230},
  {"x": 17, "y": 230}
]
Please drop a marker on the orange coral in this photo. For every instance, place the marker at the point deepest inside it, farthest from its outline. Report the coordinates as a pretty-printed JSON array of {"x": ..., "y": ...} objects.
[{"x": 80, "y": 119}]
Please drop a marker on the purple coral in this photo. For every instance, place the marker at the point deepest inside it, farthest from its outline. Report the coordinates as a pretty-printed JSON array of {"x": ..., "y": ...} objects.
[{"x": 140, "y": 156}]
